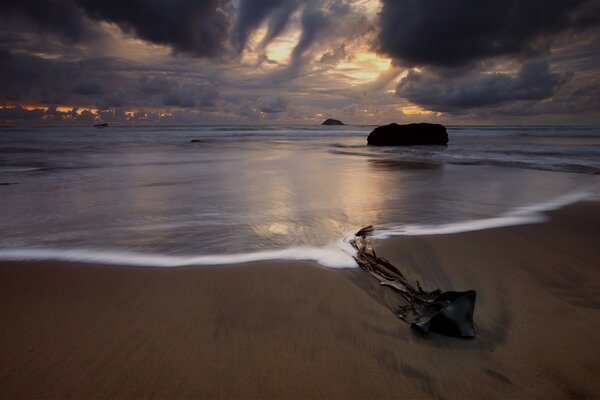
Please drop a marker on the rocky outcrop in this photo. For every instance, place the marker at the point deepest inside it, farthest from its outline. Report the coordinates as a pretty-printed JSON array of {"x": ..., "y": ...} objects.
[
  {"x": 332, "y": 122},
  {"x": 408, "y": 135}
]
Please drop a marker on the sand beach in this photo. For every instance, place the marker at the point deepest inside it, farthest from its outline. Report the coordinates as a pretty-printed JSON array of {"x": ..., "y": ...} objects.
[{"x": 299, "y": 330}]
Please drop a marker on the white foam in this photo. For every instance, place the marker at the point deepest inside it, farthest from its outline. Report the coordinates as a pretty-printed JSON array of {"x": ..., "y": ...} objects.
[
  {"x": 337, "y": 255},
  {"x": 9, "y": 169},
  {"x": 519, "y": 216}
]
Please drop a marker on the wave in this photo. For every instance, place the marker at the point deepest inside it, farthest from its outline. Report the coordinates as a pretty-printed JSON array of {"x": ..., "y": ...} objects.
[
  {"x": 15, "y": 169},
  {"x": 519, "y": 216},
  {"x": 338, "y": 254}
]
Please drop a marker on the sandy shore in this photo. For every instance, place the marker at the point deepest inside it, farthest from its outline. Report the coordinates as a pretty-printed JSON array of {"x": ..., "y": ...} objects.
[{"x": 298, "y": 330}]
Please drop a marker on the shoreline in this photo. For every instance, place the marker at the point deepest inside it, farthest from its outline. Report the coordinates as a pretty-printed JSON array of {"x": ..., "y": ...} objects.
[
  {"x": 293, "y": 329},
  {"x": 336, "y": 254}
]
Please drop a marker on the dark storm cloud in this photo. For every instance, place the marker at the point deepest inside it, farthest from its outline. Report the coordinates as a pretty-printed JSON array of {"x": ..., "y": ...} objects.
[
  {"x": 97, "y": 83},
  {"x": 252, "y": 13},
  {"x": 26, "y": 77},
  {"x": 31, "y": 79},
  {"x": 278, "y": 21},
  {"x": 314, "y": 23},
  {"x": 199, "y": 28},
  {"x": 534, "y": 82},
  {"x": 456, "y": 33},
  {"x": 63, "y": 18}
]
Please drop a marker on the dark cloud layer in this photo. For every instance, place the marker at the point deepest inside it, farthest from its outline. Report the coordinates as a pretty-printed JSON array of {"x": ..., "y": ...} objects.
[
  {"x": 197, "y": 95},
  {"x": 63, "y": 18},
  {"x": 534, "y": 82},
  {"x": 199, "y": 28},
  {"x": 62, "y": 53},
  {"x": 455, "y": 33},
  {"x": 252, "y": 13},
  {"x": 20, "y": 114}
]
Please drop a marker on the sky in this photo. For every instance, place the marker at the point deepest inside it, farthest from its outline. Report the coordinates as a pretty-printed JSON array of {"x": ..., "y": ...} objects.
[{"x": 299, "y": 62}]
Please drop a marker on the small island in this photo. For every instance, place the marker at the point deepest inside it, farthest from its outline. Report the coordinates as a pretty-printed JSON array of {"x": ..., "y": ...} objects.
[{"x": 331, "y": 121}]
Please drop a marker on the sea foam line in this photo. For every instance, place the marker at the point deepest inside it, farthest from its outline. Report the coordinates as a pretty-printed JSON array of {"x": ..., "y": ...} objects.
[
  {"x": 519, "y": 216},
  {"x": 338, "y": 254}
]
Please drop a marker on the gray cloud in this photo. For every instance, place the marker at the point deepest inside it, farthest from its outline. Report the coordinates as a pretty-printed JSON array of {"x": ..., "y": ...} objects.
[
  {"x": 272, "y": 104},
  {"x": 62, "y": 18},
  {"x": 252, "y": 13},
  {"x": 534, "y": 82},
  {"x": 278, "y": 21},
  {"x": 198, "y": 28},
  {"x": 196, "y": 95},
  {"x": 20, "y": 114},
  {"x": 155, "y": 85},
  {"x": 457, "y": 33},
  {"x": 61, "y": 53},
  {"x": 87, "y": 87},
  {"x": 314, "y": 22},
  {"x": 116, "y": 99}
]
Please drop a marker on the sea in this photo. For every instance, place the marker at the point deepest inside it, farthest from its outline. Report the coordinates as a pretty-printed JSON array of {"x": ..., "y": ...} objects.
[{"x": 149, "y": 196}]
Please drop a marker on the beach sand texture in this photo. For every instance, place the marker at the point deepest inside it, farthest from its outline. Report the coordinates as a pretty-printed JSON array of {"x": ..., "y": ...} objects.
[{"x": 299, "y": 330}]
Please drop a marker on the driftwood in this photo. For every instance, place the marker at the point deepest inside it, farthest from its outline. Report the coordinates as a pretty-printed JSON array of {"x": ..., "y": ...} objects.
[{"x": 450, "y": 312}]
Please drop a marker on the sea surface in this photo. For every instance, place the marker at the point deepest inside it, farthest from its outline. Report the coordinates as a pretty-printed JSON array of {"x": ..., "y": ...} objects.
[{"x": 148, "y": 196}]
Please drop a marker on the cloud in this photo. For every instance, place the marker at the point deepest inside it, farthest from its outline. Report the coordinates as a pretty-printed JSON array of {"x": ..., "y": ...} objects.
[
  {"x": 314, "y": 23},
  {"x": 20, "y": 114},
  {"x": 458, "y": 33},
  {"x": 278, "y": 22},
  {"x": 272, "y": 104},
  {"x": 198, "y": 28},
  {"x": 534, "y": 82},
  {"x": 251, "y": 14},
  {"x": 116, "y": 99},
  {"x": 197, "y": 95},
  {"x": 62, "y": 18},
  {"x": 87, "y": 87},
  {"x": 155, "y": 85}
]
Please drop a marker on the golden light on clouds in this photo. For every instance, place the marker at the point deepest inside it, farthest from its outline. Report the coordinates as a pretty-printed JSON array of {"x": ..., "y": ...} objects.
[
  {"x": 63, "y": 109},
  {"x": 416, "y": 110},
  {"x": 281, "y": 48},
  {"x": 127, "y": 46},
  {"x": 364, "y": 67}
]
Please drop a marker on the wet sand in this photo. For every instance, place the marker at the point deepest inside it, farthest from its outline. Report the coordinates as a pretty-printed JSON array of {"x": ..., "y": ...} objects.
[{"x": 299, "y": 330}]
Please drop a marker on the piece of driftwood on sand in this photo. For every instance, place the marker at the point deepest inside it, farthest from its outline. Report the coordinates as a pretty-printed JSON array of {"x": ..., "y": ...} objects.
[{"x": 449, "y": 313}]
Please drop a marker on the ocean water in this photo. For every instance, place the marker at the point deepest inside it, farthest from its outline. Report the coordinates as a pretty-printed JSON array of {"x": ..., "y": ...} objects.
[{"x": 147, "y": 196}]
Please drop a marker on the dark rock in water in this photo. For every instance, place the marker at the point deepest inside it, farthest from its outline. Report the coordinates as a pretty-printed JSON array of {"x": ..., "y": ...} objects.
[
  {"x": 332, "y": 122},
  {"x": 197, "y": 141},
  {"x": 102, "y": 125},
  {"x": 408, "y": 135},
  {"x": 8, "y": 183}
]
